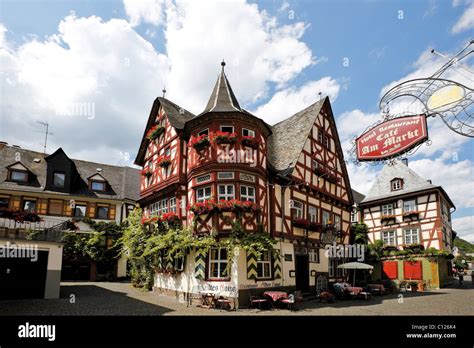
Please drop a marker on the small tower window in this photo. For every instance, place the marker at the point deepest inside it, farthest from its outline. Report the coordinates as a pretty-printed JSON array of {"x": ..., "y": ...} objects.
[
  {"x": 227, "y": 129},
  {"x": 397, "y": 184}
]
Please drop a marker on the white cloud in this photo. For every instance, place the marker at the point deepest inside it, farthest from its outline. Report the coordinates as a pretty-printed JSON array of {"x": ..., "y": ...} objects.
[
  {"x": 464, "y": 226},
  {"x": 146, "y": 11},
  {"x": 104, "y": 64},
  {"x": 466, "y": 21},
  {"x": 287, "y": 102}
]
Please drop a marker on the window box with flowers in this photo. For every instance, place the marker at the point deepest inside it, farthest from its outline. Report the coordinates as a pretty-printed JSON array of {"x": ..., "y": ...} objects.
[
  {"x": 224, "y": 137},
  {"x": 411, "y": 214},
  {"x": 234, "y": 205},
  {"x": 250, "y": 141},
  {"x": 171, "y": 219},
  {"x": 146, "y": 172},
  {"x": 199, "y": 143},
  {"x": 306, "y": 224},
  {"x": 164, "y": 161},
  {"x": 388, "y": 218},
  {"x": 155, "y": 132},
  {"x": 201, "y": 208}
]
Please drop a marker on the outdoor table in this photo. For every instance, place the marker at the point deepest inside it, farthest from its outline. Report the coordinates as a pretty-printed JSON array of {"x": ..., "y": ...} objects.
[
  {"x": 208, "y": 298},
  {"x": 354, "y": 289},
  {"x": 275, "y": 296},
  {"x": 379, "y": 288}
]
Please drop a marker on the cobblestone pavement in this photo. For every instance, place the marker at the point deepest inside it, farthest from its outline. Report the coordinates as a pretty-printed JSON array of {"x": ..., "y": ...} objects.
[{"x": 103, "y": 298}]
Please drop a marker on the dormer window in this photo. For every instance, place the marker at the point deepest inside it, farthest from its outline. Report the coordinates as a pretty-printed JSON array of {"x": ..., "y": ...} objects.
[
  {"x": 97, "y": 183},
  {"x": 248, "y": 132},
  {"x": 227, "y": 129},
  {"x": 397, "y": 184},
  {"x": 18, "y": 172},
  {"x": 59, "y": 179}
]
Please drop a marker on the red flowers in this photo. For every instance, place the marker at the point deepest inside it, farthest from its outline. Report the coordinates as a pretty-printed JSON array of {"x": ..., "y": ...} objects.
[
  {"x": 155, "y": 132},
  {"x": 224, "y": 137},
  {"x": 146, "y": 172},
  {"x": 234, "y": 205},
  {"x": 306, "y": 224},
  {"x": 172, "y": 219},
  {"x": 163, "y": 161},
  {"x": 199, "y": 143},
  {"x": 250, "y": 141},
  {"x": 19, "y": 216}
]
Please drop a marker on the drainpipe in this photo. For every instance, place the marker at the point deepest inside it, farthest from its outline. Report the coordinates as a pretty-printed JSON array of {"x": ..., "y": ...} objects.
[{"x": 282, "y": 200}]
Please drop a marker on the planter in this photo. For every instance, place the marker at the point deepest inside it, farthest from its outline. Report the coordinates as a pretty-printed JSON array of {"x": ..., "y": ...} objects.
[
  {"x": 224, "y": 138},
  {"x": 155, "y": 132},
  {"x": 251, "y": 142},
  {"x": 164, "y": 161},
  {"x": 147, "y": 173},
  {"x": 200, "y": 143},
  {"x": 306, "y": 224}
]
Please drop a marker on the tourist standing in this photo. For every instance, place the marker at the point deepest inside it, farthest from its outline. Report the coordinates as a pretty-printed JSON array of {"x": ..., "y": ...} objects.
[{"x": 461, "y": 276}]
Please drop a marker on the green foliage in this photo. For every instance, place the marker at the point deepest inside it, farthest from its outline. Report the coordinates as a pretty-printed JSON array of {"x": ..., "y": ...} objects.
[
  {"x": 359, "y": 233},
  {"x": 464, "y": 245},
  {"x": 143, "y": 245}
]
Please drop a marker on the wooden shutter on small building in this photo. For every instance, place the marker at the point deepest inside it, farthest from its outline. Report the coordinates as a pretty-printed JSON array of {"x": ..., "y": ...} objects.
[
  {"x": 42, "y": 206},
  {"x": 67, "y": 209},
  {"x": 112, "y": 212},
  {"x": 276, "y": 266},
  {"x": 200, "y": 264},
  {"x": 390, "y": 269},
  {"x": 251, "y": 265},
  {"x": 412, "y": 270},
  {"x": 15, "y": 202},
  {"x": 91, "y": 210}
]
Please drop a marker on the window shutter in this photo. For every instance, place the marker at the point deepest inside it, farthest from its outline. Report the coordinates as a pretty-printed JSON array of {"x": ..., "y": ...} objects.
[
  {"x": 67, "y": 209},
  {"x": 15, "y": 203},
  {"x": 91, "y": 210},
  {"x": 390, "y": 269},
  {"x": 276, "y": 266},
  {"x": 200, "y": 264},
  {"x": 412, "y": 270},
  {"x": 112, "y": 212},
  {"x": 42, "y": 206},
  {"x": 251, "y": 266}
]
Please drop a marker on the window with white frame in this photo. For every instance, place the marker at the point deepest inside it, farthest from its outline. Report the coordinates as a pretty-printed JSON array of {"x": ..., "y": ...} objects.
[
  {"x": 337, "y": 222},
  {"x": 247, "y": 193},
  {"x": 203, "y": 194},
  {"x": 172, "y": 204},
  {"x": 333, "y": 270},
  {"x": 247, "y": 177},
  {"x": 248, "y": 132},
  {"x": 203, "y": 178},
  {"x": 217, "y": 263},
  {"x": 389, "y": 237},
  {"x": 326, "y": 218},
  {"x": 298, "y": 210},
  {"x": 387, "y": 209},
  {"x": 411, "y": 236},
  {"x": 164, "y": 206},
  {"x": 409, "y": 206},
  {"x": 226, "y": 192},
  {"x": 264, "y": 265},
  {"x": 354, "y": 215},
  {"x": 397, "y": 184},
  {"x": 228, "y": 129},
  {"x": 313, "y": 255},
  {"x": 312, "y": 214}
]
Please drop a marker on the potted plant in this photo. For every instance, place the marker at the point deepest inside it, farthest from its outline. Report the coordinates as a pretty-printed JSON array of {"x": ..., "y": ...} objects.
[
  {"x": 224, "y": 137},
  {"x": 250, "y": 141},
  {"x": 146, "y": 172},
  {"x": 164, "y": 161},
  {"x": 155, "y": 132},
  {"x": 199, "y": 143}
]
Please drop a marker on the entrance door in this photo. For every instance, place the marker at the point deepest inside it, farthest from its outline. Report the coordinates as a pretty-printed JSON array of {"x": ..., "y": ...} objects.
[{"x": 302, "y": 272}]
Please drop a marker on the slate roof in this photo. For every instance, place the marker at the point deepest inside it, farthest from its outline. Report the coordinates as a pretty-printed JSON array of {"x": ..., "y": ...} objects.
[
  {"x": 289, "y": 137},
  {"x": 222, "y": 98},
  {"x": 124, "y": 181},
  {"x": 412, "y": 182},
  {"x": 358, "y": 197}
]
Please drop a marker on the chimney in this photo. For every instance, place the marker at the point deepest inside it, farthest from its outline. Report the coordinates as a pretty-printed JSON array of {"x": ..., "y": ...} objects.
[
  {"x": 405, "y": 161},
  {"x": 3, "y": 144},
  {"x": 429, "y": 181}
]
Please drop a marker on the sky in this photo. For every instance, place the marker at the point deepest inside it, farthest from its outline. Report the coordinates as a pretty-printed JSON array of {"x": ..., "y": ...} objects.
[{"x": 92, "y": 69}]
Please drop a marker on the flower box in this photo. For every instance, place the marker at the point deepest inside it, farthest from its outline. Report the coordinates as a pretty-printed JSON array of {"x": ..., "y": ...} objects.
[
  {"x": 224, "y": 137},
  {"x": 164, "y": 161},
  {"x": 306, "y": 224},
  {"x": 234, "y": 205},
  {"x": 19, "y": 216},
  {"x": 147, "y": 172},
  {"x": 411, "y": 214},
  {"x": 388, "y": 218},
  {"x": 201, "y": 208},
  {"x": 250, "y": 141},
  {"x": 155, "y": 132},
  {"x": 172, "y": 219},
  {"x": 199, "y": 143}
]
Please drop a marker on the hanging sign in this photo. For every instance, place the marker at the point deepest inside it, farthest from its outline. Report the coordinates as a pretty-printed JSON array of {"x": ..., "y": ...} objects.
[{"x": 392, "y": 138}]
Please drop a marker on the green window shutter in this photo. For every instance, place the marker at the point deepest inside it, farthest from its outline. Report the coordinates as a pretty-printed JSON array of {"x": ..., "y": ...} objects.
[
  {"x": 251, "y": 266},
  {"x": 276, "y": 267},
  {"x": 200, "y": 267}
]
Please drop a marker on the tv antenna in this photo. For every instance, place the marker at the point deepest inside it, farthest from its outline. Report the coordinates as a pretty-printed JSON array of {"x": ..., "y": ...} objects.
[{"x": 46, "y": 133}]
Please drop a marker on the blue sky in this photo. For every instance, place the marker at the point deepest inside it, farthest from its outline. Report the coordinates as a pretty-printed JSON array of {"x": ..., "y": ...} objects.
[{"x": 121, "y": 58}]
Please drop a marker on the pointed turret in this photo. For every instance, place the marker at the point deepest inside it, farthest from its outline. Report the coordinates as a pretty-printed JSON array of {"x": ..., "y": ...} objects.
[{"x": 222, "y": 98}]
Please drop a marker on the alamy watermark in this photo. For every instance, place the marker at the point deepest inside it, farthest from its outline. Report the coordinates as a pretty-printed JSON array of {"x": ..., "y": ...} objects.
[
  {"x": 227, "y": 155},
  {"x": 25, "y": 251},
  {"x": 345, "y": 251},
  {"x": 76, "y": 109}
]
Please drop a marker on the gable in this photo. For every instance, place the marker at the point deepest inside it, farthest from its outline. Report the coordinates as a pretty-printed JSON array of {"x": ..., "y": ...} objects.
[{"x": 18, "y": 166}]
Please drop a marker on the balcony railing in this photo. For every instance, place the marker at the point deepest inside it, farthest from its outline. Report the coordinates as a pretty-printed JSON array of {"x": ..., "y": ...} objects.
[{"x": 45, "y": 230}]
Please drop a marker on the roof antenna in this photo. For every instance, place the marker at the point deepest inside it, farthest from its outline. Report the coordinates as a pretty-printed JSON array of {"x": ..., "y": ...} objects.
[
  {"x": 46, "y": 133},
  {"x": 164, "y": 91},
  {"x": 223, "y": 64}
]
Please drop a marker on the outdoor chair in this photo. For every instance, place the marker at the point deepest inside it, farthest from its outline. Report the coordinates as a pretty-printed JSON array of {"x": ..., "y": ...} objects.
[
  {"x": 293, "y": 300},
  {"x": 224, "y": 303},
  {"x": 194, "y": 295},
  {"x": 257, "y": 301}
]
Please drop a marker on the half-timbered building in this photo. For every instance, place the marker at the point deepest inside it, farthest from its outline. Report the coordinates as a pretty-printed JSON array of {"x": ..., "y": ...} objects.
[
  {"x": 291, "y": 175},
  {"x": 406, "y": 211}
]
